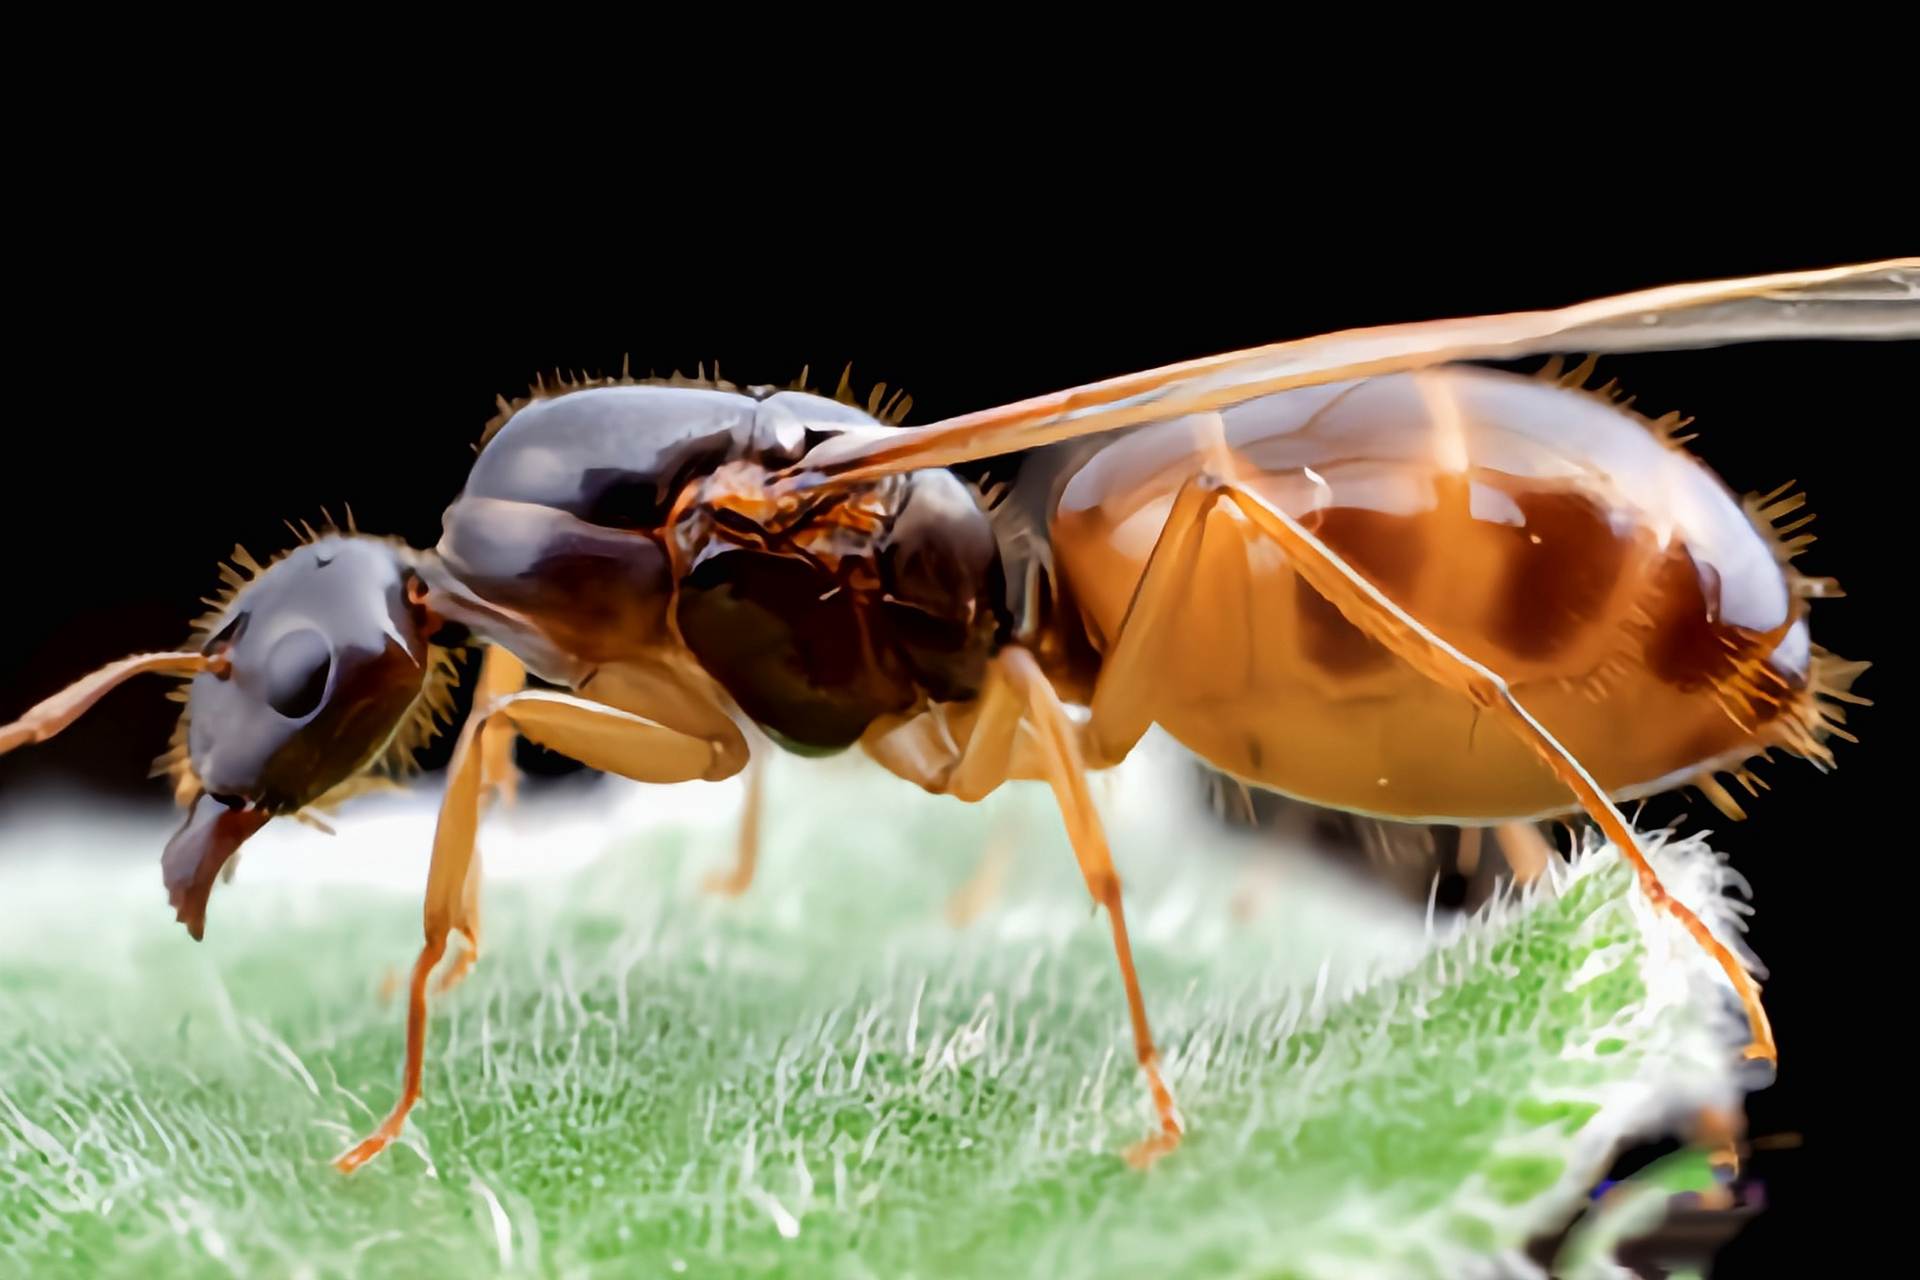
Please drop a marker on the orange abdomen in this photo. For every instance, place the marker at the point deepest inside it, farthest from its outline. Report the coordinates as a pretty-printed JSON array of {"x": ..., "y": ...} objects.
[{"x": 1624, "y": 593}]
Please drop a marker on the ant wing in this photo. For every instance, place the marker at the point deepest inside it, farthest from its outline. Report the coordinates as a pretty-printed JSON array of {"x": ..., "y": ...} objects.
[{"x": 1872, "y": 301}]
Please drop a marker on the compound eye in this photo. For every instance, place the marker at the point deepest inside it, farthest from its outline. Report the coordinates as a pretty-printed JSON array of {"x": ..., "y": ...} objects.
[{"x": 297, "y": 671}]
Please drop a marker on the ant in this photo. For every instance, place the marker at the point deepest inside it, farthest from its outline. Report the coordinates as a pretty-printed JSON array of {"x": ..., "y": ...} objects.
[{"x": 1355, "y": 569}]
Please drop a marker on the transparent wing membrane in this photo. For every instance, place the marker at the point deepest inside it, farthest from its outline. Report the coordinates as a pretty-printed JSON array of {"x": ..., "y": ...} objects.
[{"x": 1877, "y": 301}]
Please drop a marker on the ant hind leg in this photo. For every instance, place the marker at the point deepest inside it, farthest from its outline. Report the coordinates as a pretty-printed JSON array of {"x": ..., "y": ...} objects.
[
  {"x": 1369, "y": 609},
  {"x": 1122, "y": 712}
]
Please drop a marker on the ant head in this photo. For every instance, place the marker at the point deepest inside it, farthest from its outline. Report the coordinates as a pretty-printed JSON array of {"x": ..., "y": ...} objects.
[
  {"x": 309, "y": 673},
  {"x": 313, "y": 667},
  {"x": 317, "y": 668}
]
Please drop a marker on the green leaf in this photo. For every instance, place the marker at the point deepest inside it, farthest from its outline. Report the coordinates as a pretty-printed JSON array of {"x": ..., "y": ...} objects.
[{"x": 824, "y": 1078}]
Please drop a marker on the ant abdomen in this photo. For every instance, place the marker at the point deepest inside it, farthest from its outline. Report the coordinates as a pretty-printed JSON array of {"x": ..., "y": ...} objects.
[{"x": 1541, "y": 530}]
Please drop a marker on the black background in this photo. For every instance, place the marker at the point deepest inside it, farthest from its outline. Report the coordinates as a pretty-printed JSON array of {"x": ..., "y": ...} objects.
[{"x": 189, "y": 371}]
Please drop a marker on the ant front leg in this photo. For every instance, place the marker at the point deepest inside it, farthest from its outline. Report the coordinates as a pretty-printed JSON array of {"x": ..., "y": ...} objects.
[
  {"x": 1018, "y": 729},
  {"x": 599, "y": 737},
  {"x": 1369, "y": 609},
  {"x": 501, "y": 676}
]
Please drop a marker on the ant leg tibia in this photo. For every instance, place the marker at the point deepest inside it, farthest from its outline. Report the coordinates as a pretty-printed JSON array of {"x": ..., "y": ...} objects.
[
  {"x": 389, "y": 1129},
  {"x": 734, "y": 882},
  {"x": 1067, "y": 775}
]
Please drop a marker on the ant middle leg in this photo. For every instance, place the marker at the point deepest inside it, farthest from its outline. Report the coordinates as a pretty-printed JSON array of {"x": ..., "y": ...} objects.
[
  {"x": 1017, "y": 729},
  {"x": 967, "y": 751},
  {"x": 1527, "y": 850},
  {"x": 982, "y": 889},
  {"x": 1058, "y": 741},
  {"x": 734, "y": 882}
]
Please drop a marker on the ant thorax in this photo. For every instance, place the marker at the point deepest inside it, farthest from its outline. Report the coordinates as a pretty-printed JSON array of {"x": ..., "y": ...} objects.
[
  {"x": 821, "y": 616},
  {"x": 631, "y": 524}
]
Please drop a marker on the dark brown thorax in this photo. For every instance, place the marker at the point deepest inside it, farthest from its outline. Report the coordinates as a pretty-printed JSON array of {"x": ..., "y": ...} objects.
[
  {"x": 624, "y": 523},
  {"x": 821, "y": 617}
]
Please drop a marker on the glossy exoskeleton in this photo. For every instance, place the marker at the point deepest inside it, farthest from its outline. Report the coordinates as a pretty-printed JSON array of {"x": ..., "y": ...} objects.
[{"x": 1351, "y": 569}]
